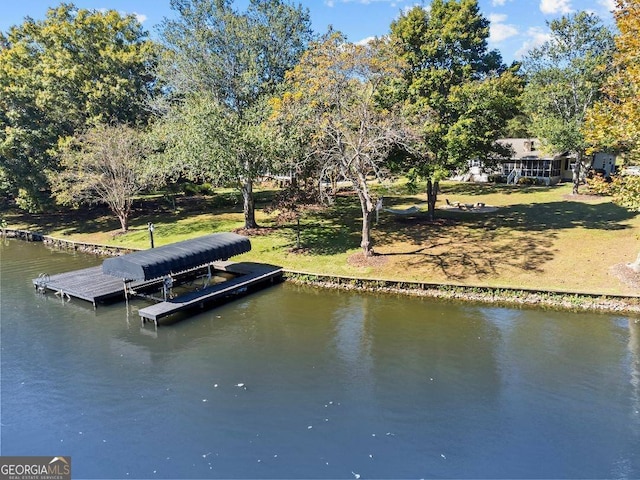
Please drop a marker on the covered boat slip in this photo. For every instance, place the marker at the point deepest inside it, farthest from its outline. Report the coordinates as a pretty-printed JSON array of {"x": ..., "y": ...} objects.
[
  {"x": 176, "y": 257},
  {"x": 165, "y": 267}
]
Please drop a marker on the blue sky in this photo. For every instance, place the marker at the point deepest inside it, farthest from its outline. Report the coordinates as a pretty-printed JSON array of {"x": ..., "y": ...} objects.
[{"x": 516, "y": 25}]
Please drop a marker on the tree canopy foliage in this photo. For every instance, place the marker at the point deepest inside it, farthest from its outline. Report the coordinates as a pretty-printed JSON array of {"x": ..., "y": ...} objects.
[
  {"x": 58, "y": 77},
  {"x": 106, "y": 164},
  {"x": 463, "y": 89},
  {"x": 564, "y": 78},
  {"x": 219, "y": 67},
  {"x": 336, "y": 92},
  {"x": 614, "y": 121}
]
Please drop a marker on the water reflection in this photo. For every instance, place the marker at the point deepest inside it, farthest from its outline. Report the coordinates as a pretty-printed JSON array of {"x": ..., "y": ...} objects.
[
  {"x": 634, "y": 353},
  {"x": 336, "y": 383}
]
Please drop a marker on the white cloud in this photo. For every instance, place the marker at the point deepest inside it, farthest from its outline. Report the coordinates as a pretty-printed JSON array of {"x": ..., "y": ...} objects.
[
  {"x": 497, "y": 17},
  {"x": 609, "y": 5},
  {"x": 498, "y": 3},
  {"x": 536, "y": 36},
  {"x": 408, "y": 8},
  {"x": 140, "y": 16},
  {"x": 550, "y": 7},
  {"x": 500, "y": 31},
  {"x": 393, "y": 3},
  {"x": 332, "y": 3},
  {"x": 365, "y": 41}
]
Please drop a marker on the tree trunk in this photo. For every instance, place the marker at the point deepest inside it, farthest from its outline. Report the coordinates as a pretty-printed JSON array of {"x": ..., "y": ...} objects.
[
  {"x": 432, "y": 198},
  {"x": 368, "y": 209},
  {"x": 367, "y": 218},
  {"x": 366, "y": 243},
  {"x": 124, "y": 221},
  {"x": 576, "y": 173},
  {"x": 249, "y": 206}
]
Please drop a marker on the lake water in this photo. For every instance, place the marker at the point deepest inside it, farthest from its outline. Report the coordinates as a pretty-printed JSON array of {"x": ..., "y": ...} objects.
[{"x": 336, "y": 385}]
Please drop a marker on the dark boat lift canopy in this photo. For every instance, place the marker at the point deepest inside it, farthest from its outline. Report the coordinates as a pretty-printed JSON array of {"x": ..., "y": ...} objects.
[{"x": 176, "y": 257}]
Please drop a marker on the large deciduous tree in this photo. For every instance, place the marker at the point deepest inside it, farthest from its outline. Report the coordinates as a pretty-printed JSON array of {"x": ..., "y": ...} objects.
[
  {"x": 61, "y": 75},
  {"x": 455, "y": 81},
  {"x": 614, "y": 121},
  {"x": 220, "y": 67},
  {"x": 337, "y": 92},
  {"x": 106, "y": 164},
  {"x": 564, "y": 78}
]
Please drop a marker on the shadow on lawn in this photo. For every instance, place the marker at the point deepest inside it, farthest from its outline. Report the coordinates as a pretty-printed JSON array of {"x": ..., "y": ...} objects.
[
  {"x": 559, "y": 216},
  {"x": 461, "y": 249},
  {"x": 333, "y": 230},
  {"x": 470, "y": 188},
  {"x": 463, "y": 245},
  {"x": 460, "y": 244}
]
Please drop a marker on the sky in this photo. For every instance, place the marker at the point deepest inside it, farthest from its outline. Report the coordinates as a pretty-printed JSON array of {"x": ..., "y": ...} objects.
[{"x": 516, "y": 25}]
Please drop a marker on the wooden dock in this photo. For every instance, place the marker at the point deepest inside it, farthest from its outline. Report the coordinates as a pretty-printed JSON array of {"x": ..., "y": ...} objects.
[
  {"x": 249, "y": 275},
  {"x": 88, "y": 284}
]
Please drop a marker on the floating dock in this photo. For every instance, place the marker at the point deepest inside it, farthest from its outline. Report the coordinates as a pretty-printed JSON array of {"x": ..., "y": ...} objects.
[
  {"x": 163, "y": 268},
  {"x": 89, "y": 284},
  {"x": 249, "y": 275}
]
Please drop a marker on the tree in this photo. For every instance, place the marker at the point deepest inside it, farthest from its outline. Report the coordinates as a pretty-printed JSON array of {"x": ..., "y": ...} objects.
[
  {"x": 452, "y": 79},
  {"x": 564, "y": 78},
  {"x": 226, "y": 64},
  {"x": 625, "y": 191},
  {"x": 107, "y": 164},
  {"x": 335, "y": 91},
  {"x": 59, "y": 76},
  {"x": 614, "y": 121}
]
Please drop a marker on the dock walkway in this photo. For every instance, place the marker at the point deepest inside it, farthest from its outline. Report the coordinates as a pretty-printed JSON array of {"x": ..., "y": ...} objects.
[
  {"x": 88, "y": 284},
  {"x": 249, "y": 275}
]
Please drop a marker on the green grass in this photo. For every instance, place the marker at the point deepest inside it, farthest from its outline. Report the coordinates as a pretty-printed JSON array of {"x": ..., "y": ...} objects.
[{"x": 540, "y": 237}]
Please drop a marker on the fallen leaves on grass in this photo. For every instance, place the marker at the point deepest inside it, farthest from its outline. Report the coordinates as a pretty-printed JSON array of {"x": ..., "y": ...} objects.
[
  {"x": 626, "y": 275},
  {"x": 359, "y": 260},
  {"x": 254, "y": 232}
]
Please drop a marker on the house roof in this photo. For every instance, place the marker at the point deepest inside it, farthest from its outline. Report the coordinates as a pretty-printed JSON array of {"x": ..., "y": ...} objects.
[
  {"x": 525, "y": 148},
  {"x": 176, "y": 257}
]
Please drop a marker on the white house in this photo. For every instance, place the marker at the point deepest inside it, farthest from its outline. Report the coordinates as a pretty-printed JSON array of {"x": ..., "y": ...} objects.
[{"x": 529, "y": 161}]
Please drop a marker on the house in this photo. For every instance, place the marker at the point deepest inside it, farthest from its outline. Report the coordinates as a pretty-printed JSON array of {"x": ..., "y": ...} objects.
[{"x": 529, "y": 161}]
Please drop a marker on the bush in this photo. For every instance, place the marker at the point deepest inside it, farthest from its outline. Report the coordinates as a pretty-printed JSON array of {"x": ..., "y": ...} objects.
[
  {"x": 626, "y": 191},
  {"x": 198, "y": 189},
  {"x": 527, "y": 181},
  {"x": 599, "y": 185}
]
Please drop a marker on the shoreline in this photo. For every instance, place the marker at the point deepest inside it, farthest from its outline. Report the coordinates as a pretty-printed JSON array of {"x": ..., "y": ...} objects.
[
  {"x": 479, "y": 294},
  {"x": 498, "y": 296}
]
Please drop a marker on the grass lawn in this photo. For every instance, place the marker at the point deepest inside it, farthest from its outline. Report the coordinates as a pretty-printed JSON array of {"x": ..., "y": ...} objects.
[{"x": 539, "y": 237}]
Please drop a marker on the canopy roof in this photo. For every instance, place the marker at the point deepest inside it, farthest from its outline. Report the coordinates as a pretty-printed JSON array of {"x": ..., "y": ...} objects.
[{"x": 176, "y": 257}]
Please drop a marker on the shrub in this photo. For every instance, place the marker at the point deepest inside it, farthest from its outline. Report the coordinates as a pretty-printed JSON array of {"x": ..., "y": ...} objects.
[
  {"x": 527, "y": 181},
  {"x": 599, "y": 185}
]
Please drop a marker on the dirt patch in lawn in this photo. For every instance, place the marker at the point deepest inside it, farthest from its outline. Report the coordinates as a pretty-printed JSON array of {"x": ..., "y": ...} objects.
[
  {"x": 359, "y": 260},
  {"x": 254, "y": 232},
  {"x": 583, "y": 197},
  {"x": 626, "y": 275}
]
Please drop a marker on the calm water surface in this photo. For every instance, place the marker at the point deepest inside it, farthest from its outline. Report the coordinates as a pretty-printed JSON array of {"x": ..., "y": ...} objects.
[{"x": 337, "y": 384}]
